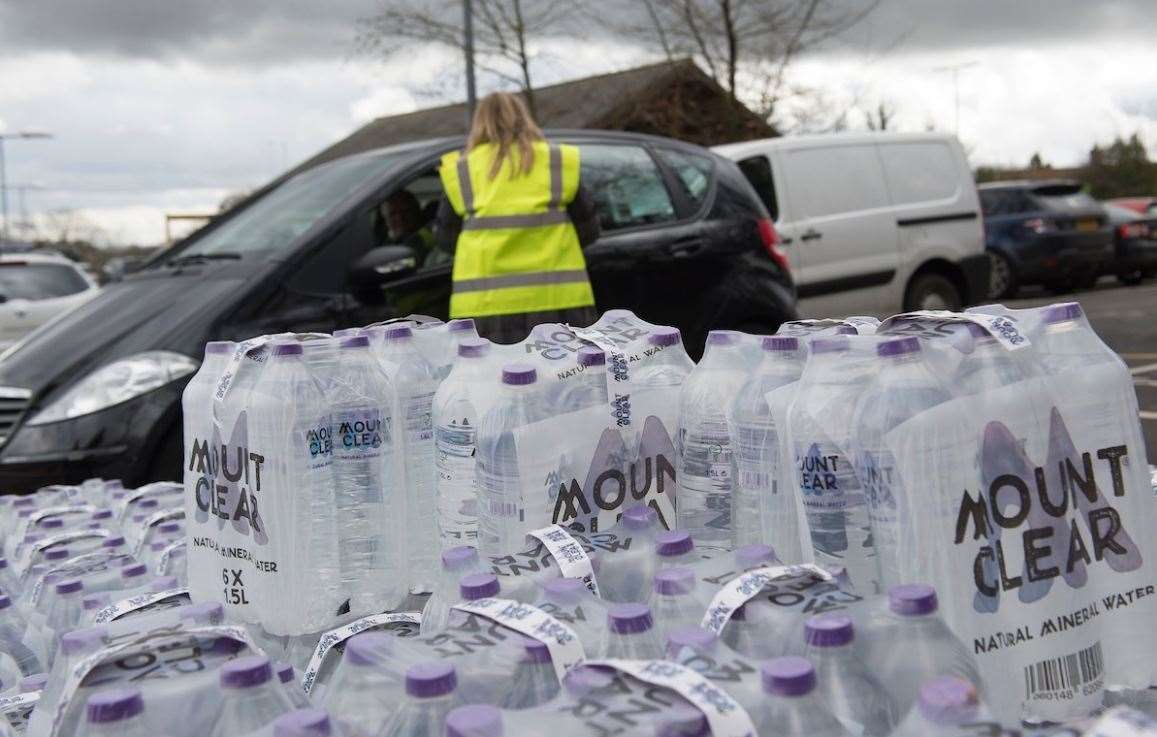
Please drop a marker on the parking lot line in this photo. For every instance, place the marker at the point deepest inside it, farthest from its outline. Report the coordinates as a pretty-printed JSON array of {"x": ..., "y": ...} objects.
[
  {"x": 1147, "y": 415},
  {"x": 1143, "y": 369},
  {"x": 1139, "y": 356}
]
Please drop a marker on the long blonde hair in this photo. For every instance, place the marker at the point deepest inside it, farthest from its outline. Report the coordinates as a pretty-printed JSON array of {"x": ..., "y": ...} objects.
[{"x": 503, "y": 120}]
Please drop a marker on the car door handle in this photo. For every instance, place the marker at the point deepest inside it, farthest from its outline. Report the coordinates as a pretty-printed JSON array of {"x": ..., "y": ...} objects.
[
  {"x": 811, "y": 234},
  {"x": 685, "y": 247}
]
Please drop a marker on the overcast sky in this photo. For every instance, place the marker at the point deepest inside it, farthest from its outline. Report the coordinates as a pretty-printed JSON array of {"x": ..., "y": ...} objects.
[{"x": 168, "y": 107}]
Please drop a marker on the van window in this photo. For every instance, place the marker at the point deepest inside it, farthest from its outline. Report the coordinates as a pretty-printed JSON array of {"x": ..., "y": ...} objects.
[
  {"x": 626, "y": 186},
  {"x": 920, "y": 172},
  {"x": 693, "y": 170},
  {"x": 33, "y": 281},
  {"x": 757, "y": 169},
  {"x": 835, "y": 180}
]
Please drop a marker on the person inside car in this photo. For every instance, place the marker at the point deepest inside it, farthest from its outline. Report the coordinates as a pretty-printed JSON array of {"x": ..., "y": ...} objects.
[{"x": 406, "y": 225}]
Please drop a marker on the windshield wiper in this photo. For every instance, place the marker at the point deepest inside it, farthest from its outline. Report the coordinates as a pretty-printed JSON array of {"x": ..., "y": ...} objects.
[{"x": 197, "y": 258}]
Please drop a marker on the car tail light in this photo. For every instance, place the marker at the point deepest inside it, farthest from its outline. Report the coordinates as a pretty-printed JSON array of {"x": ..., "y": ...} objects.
[
  {"x": 1040, "y": 225},
  {"x": 1128, "y": 231},
  {"x": 771, "y": 243}
]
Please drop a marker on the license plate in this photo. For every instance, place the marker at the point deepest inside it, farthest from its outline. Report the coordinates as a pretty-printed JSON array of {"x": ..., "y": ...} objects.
[{"x": 1087, "y": 224}]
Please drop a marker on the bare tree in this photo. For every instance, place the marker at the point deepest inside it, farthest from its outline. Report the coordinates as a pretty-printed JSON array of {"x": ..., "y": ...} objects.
[
  {"x": 503, "y": 31},
  {"x": 880, "y": 119},
  {"x": 68, "y": 226}
]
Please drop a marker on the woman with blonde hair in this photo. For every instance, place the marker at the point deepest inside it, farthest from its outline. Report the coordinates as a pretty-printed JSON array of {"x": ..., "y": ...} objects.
[{"x": 516, "y": 219}]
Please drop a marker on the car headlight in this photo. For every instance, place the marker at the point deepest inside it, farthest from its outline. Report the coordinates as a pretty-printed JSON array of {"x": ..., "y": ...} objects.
[{"x": 117, "y": 382}]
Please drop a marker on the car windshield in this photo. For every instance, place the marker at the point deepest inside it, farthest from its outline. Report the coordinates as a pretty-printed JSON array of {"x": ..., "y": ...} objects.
[
  {"x": 26, "y": 280},
  {"x": 281, "y": 215},
  {"x": 1062, "y": 197}
]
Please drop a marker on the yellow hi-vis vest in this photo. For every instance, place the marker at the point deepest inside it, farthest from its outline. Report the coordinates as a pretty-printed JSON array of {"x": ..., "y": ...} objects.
[{"x": 518, "y": 251}]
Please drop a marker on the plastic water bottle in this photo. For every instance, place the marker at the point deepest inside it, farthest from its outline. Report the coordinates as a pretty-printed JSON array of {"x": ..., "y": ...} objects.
[
  {"x": 7, "y": 577},
  {"x": 415, "y": 383},
  {"x": 793, "y": 708},
  {"x": 366, "y": 481},
  {"x": 912, "y": 645},
  {"x": 364, "y": 700},
  {"x": 457, "y": 562},
  {"x": 571, "y": 602},
  {"x": 761, "y": 510},
  {"x": 631, "y": 633},
  {"x": 431, "y": 691},
  {"x": 629, "y": 579},
  {"x": 287, "y": 676},
  {"x": 64, "y": 612},
  {"x": 676, "y": 600},
  {"x": 250, "y": 697},
  {"x": 303, "y": 722},
  {"x": 534, "y": 682},
  {"x": 589, "y": 387},
  {"x": 502, "y": 524},
  {"x": 987, "y": 365},
  {"x": 668, "y": 364},
  {"x": 674, "y": 548},
  {"x": 456, "y": 419},
  {"x": 756, "y": 631},
  {"x": 944, "y": 706},
  {"x": 854, "y": 695},
  {"x": 117, "y": 712},
  {"x": 904, "y": 387},
  {"x": 705, "y": 441},
  {"x": 197, "y": 399},
  {"x": 475, "y": 720}
]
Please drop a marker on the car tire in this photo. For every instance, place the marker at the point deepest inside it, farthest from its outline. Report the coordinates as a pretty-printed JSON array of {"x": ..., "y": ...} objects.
[
  {"x": 1131, "y": 279},
  {"x": 933, "y": 291},
  {"x": 1002, "y": 281}
]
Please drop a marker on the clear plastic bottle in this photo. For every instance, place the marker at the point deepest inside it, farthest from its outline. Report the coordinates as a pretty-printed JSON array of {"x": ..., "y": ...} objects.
[
  {"x": 456, "y": 420},
  {"x": 853, "y": 693},
  {"x": 431, "y": 691},
  {"x": 589, "y": 387},
  {"x": 904, "y": 387},
  {"x": 250, "y": 697},
  {"x": 944, "y": 706},
  {"x": 793, "y": 708},
  {"x": 475, "y": 720},
  {"x": 534, "y": 682},
  {"x": 987, "y": 364},
  {"x": 366, "y": 480},
  {"x": 303, "y": 722},
  {"x": 705, "y": 444},
  {"x": 457, "y": 562},
  {"x": 64, "y": 614},
  {"x": 501, "y": 508},
  {"x": 756, "y": 631},
  {"x": 414, "y": 380},
  {"x": 287, "y": 676},
  {"x": 676, "y": 600},
  {"x": 674, "y": 548},
  {"x": 366, "y": 697},
  {"x": 631, "y": 633},
  {"x": 117, "y": 712},
  {"x": 629, "y": 578},
  {"x": 571, "y": 602},
  {"x": 668, "y": 364},
  {"x": 761, "y": 510}
]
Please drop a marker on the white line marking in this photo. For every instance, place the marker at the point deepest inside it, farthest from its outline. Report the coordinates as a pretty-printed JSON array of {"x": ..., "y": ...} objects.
[
  {"x": 1146, "y": 415},
  {"x": 1143, "y": 369}
]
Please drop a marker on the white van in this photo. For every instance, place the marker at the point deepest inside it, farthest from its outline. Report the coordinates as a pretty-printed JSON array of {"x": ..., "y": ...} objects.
[{"x": 873, "y": 223}]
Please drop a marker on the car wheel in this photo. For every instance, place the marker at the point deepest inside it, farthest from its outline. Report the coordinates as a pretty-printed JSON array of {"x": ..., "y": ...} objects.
[
  {"x": 1002, "y": 279},
  {"x": 933, "y": 292},
  {"x": 1131, "y": 279}
]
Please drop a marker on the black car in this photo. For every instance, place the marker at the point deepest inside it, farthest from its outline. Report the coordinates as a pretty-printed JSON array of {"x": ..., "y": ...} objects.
[
  {"x": 685, "y": 242},
  {"x": 1045, "y": 232},
  {"x": 1134, "y": 244}
]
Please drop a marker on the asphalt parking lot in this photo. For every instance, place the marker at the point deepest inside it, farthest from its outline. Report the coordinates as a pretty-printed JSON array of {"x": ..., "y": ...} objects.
[{"x": 1126, "y": 319}]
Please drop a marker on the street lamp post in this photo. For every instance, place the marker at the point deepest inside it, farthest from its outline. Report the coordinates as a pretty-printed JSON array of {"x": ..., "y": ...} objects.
[{"x": 4, "y": 176}]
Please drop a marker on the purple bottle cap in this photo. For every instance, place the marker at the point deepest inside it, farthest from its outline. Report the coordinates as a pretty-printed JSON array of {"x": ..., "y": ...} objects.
[
  {"x": 101, "y": 514},
  {"x": 829, "y": 630},
  {"x": 205, "y": 612},
  {"x": 780, "y": 344},
  {"x": 71, "y": 586},
  {"x": 591, "y": 356},
  {"x": 399, "y": 332},
  {"x": 113, "y": 542},
  {"x": 5, "y": 602},
  {"x": 24, "y": 502},
  {"x": 478, "y": 586},
  {"x": 518, "y": 374},
  {"x": 149, "y": 503},
  {"x": 756, "y": 554},
  {"x": 683, "y": 721},
  {"x": 845, "y": 330},
  {"x": 163, "y": 583},
  {"x": 458, "y": 557},
  {"x": 354, "y": 342},
  {"x": 912, "y": 599},
  {"x": 788, "y": 676},
  {"x": 3, "y": 563},
  {"x": 114, "y": 705},
  {"x": 948, "y": 700},
  {"x": 898, "y": 347},
  {"x": 461, "y": 325},
  {"x": 246, "y": 672},
  {"x": 82, "y": 641},
  {"x": 92, "y": 602},
  {"x": 284, "y": 671},
  {"x": 664, "y": 337},
  {"x": 1062, "y": 313},
  {"x": 219, "y": 347},
  {"x": 158, "y": 545},
  {"x": 346, "y": 332},
  {"x": 429, "y": 680},
  {"x": 225, "y": 646},
  {"x": 976, "y": 331},
  {"x": 583, "y": 679},
  {"x": 696, "y": 638},
  {"x": 722, "y": 337},
  {"x": 368, "y": 648},
  {"x": 303, "y": 723},
  {"x": 674, "y": 581},
  {"x": 29, "y": 684},
  {"x": 169, "y": 527},
  {"x": 535, "y": 651},
  {"x": 473, "y": 347},
  {"x": 673, "y": 542},
  {"x": 52, "y": 523},
  {"x": 287, "y": 349},
  {"x": 475, "y": 720},
  {"x": 56, "y": 554},
  {"x": 829, "y": 345},
  {"x": 639, "y": 517},
  {"x": 134, "y": 570},
  {"x": 629, "y": 619},
  {"x": 564, "y": 589}
]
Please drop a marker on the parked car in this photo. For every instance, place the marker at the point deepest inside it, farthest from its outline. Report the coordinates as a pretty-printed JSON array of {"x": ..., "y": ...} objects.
[
  {"x": 36, "y": 287},
  {"x": 872, "y": 223},
  {"x": 1134, "y": 244},
  {"x": 685, "y": 242},
  {"x": 1139, "y": 205},
  {"x": 1044, "y": 232}
]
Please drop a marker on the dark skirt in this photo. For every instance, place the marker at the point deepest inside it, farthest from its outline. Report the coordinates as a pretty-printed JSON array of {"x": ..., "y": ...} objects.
[{"x": 515, "y": 328}]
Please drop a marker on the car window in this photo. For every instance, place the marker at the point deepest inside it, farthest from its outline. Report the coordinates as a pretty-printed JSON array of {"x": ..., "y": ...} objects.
[
  {"x": 757, "y": 169},
  {"x": 1061, "y": 198},
  {"x": 835, "y": 180},
  {"x": 625, "y": 183},
  {"x": 920, "y": 172},
  {"x": 32, "y": 281},
  {"x": 693, "y": 171},
  {"x": 408, "y": 217}
]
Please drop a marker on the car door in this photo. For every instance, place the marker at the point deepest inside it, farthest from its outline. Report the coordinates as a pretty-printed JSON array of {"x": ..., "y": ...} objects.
[{"x": 841, "y": 231}]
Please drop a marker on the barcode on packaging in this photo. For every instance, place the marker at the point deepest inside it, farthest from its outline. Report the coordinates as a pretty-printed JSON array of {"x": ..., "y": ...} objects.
[{"x": 1066, "y": 674}]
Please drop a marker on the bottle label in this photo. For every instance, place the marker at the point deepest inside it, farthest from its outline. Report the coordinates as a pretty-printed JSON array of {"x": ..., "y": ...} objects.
[
  {"x": 339, "y": 635},
  {"x": 936, "y": 324},
  {"x": 724, "y": 714},
  {"x": 618, "y": 373},
  {"x": 572, "y": 559},
  {"x": 166, "y": 599},
  {"x": 565, "y": 649},
  {"x": 17, "y": 710},
  {"x": 807, "y": 587}
]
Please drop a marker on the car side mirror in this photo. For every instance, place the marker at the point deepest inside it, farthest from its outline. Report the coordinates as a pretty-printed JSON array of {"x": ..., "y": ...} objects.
[{"x": 384, "y": 264}]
